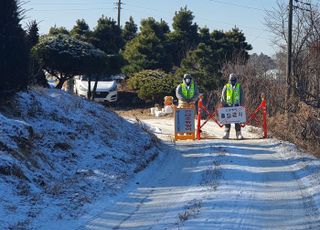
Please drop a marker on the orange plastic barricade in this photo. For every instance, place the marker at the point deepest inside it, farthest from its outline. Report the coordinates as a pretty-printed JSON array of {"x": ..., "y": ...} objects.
[
  {"x": 184, "y": 123},
  {"x": 212, "y": 116},
  {"x": 262, "y": 107}
]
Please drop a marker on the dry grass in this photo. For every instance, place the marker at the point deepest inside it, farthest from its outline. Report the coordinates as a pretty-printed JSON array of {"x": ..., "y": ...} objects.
[
  {"x": 133, "y": 113},
  {"x": 12, "y": 170},
  {"x": 62, "y": 146},
  {"x": 54, "y": 189},
  {"x": 191, "y": 210},
  {"x": 303, "y": 128}
]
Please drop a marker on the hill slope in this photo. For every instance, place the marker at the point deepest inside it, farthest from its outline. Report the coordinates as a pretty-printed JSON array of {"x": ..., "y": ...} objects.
[{"x": 59, "y": 153}]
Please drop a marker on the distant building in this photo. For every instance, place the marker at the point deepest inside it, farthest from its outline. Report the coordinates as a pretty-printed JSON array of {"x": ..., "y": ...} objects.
[{"x": 275, "y": 74}]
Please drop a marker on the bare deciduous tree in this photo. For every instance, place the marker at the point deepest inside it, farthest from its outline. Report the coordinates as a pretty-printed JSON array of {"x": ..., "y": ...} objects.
[{"x": 305, "y": 81}]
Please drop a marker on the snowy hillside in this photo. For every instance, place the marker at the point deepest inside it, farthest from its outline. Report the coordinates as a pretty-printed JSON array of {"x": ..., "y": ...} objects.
[{"x": 59, "y": 153}]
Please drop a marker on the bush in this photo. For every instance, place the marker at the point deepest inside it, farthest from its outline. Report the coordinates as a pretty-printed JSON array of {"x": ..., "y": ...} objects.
[
  {"x": 153, "y": 85},
  {"x": 64, "y": 57}
]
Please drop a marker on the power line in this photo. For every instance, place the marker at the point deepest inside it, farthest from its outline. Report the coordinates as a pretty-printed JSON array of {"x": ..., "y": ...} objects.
[
  {"x": 302, "y": 8},
  {"x": 304, "y": 3},
  {"x": 202, "y": 18},
  {"x": 148, "y": 8},
  {"x": 290, "y": 85},
  {"x": 238, "y": 5},
  {"x": 65, "y": 3},
  {"x": 259, "y": 37},
  {"x": 70, "y": 9},
  {"x": 119, "y": 7}
]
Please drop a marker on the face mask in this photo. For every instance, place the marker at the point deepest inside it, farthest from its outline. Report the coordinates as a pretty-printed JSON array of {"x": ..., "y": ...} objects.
[
  {"x": 188, "y": 81},
  {"x": 233, "y": 82}
]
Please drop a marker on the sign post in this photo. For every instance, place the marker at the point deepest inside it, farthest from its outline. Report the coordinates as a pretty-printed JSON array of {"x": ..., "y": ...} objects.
[{"x": 184, "y": 125}]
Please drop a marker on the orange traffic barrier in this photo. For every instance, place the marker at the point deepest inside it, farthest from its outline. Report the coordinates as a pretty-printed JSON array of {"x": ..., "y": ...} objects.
[{"x": 212, "y": 116}]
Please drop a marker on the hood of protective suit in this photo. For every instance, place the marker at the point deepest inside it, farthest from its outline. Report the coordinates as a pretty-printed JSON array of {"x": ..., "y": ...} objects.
[
  {"x": 186, "y": 78},
  {"x": 233, "y": 79}
]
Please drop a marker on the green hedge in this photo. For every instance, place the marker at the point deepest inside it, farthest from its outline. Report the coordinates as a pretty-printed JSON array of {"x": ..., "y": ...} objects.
[{"x": 153, "y": 85}]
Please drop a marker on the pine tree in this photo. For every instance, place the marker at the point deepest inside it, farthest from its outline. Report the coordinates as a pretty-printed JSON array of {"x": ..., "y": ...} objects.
[
  {"x": 185, "y": 35},
  {"x": 81, "y": 30},
  {"x": 203, "y": 64},
  {"x": 150, "y": 25},
  {"x": 32, "y": 34},
  {"x": 238, "y": 47},
  {"x": 14, "y": 52},
  {"x": 107, "y": 36},
  {"x": 130, "y": 30},
  {"x": 37, "y": 75},
  {"x": 148, "y": 50},
  {"x": 216, "y": 49},
  {"x": 54, "y": 30}
]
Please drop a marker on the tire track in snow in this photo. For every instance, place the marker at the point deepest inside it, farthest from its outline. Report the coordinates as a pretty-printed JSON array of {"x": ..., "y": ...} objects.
[
  {"x": 311, "y": 209},
  {"x": 172, "y": 182},
  {"x": 259, "y": 190},
  {"x": 219, "y": 184},
  {"x": 243, "y": 191},
  {"x": 134, "y": 211}
]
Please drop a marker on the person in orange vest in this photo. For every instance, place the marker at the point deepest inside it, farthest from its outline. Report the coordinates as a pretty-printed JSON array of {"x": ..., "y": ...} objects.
[
  {"x": 187, "y": 92},
  {"x": 232, "y": 95}
]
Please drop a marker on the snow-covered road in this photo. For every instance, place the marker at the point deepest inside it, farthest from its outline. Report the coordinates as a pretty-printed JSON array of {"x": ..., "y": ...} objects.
[{"x": 218, "y": 184}]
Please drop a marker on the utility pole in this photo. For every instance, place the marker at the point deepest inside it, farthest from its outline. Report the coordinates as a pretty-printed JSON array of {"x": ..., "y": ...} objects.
[
  {"x": 119, "y": 3},
  {"x": 289, "y": 53},
  {"x": 291, "y": 88}
]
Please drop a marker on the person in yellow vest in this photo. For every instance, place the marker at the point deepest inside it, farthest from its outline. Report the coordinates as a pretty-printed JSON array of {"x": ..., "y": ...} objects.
[
  {"x": 187, "y": 92},
  {"x": 232, "y": 95}
]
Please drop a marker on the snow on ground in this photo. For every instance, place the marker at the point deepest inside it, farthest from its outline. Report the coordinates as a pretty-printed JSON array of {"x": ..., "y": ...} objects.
[
  {"x": 66, "y": 163},
  {"x": 218, "y": 184},
  {"x": 60, "y": 153}
]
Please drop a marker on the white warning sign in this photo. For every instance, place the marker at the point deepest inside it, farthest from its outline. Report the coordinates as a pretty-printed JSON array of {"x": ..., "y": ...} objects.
[
  {"x": 184, "y": 121},
  {"x": 229, "y": 115}
]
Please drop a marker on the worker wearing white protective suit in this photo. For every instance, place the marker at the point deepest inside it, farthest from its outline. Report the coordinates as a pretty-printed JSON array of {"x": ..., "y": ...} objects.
[
  {"x": 232, "y": 95},
  {"x": 187, "y": 92}
]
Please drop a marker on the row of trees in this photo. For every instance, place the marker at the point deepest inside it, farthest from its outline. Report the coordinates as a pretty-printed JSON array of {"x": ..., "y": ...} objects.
[
  {"x": 25, "y": 55},
  {"x": 187, "y": 48},
  {"x": 109, "y": 49}
]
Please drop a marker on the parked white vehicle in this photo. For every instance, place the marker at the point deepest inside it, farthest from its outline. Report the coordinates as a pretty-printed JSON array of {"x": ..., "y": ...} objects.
[{"x": 106, "y": 89}]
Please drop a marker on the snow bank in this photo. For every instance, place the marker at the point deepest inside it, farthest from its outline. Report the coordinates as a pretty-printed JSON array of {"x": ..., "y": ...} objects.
[{"x": 58, "y": 153}]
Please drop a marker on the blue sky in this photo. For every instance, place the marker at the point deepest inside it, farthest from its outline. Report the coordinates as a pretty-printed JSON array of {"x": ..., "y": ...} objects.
[{"x": 248, "y": 15}]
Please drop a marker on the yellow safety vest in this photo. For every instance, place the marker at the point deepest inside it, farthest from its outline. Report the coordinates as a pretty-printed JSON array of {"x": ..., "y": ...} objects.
[
  {"x": 187, "y": 93},
  {"x": 233, "y": 94}
]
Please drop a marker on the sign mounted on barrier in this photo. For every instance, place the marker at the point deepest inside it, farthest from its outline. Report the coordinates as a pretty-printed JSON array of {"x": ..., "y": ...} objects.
[
  {"x": 229, "y": 115},
  {"x": 241, "y": 116},
  {"x": 184, "y": 121}
]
